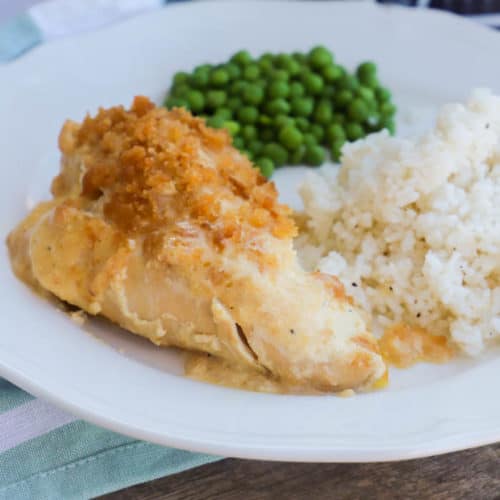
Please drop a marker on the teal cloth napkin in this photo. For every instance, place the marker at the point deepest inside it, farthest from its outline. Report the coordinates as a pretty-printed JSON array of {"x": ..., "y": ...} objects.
[
  {"x": 45, "y": 453},
  {"x": 77, "y": 460},
  {"x": 17, "y": 36}
]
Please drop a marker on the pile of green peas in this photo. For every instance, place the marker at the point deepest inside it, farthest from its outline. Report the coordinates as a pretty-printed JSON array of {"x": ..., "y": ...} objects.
[{"x": 286, "y": 108}]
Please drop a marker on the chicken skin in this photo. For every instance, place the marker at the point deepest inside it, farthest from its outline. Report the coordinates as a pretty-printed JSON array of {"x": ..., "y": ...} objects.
[{"x": 160, "y": 225}]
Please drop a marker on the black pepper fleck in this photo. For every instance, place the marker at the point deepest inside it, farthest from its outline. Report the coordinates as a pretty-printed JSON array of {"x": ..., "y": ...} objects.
[
  {"x": 418, "y": 315},
  {"x": 354, "y": 284},
  {"x": 292, "y": 331}
]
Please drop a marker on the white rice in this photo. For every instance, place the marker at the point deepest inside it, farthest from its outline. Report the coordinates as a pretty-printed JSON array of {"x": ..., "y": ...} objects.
[{"x": 412, "y": 227}]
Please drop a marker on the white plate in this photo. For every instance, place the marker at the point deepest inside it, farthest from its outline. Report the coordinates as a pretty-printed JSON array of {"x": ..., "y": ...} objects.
[{"x": 119, "y": 381}]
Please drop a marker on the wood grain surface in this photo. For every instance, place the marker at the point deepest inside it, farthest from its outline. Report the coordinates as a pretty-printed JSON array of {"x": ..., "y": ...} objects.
[{"x": 471, "y": 474}]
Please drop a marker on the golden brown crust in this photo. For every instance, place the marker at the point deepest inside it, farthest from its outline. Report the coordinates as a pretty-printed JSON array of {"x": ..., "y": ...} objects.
[{"x": 154, "y": 166}]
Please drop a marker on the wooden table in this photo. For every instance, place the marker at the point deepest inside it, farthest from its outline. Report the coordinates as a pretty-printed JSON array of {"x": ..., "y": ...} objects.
[{"x": 472, "y": 474}]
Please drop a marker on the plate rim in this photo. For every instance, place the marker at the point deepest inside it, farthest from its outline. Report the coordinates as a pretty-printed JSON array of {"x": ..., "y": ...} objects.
[{"x": 432, "y": 447}]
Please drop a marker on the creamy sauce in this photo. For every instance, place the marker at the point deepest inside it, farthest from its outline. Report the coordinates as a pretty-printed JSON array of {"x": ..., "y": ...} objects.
[
  {"x": 403, "y": 346},
  {"x": 207, "y": 368}
]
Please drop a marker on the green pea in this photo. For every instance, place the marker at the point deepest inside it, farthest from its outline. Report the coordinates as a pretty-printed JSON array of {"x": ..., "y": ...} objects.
[
  {"x": 278, "y": 106},
  {"x": 268, "y": 56},
  {"x": 278, "y": 88},
  {"x": 238, "y": 143},
  {"x": 175, "y": 102},
  {"x": 320, "y": 57},
  {"x": 372, "y": 106},
  {"x": 241, "y": 58},
  {"x": 266, "y": 134},
  {"x": 280, "y": 74},
  {"x": 249, "y": 133},
  {"x": 293, "y": 68},
  {"x": 248, "y": 115},
  {"x": 389, "y": 124},
  {"x": 317, "y": 131},
  {"x": 215, "y": 98},
  {"x": 266, "y": 166},
  {"x": 302, "y": 106},
  {"x": 297, "y": 156},
  {"x": 300, "y": 57},
  {"x": 313, "y": 83},
  {"x": 387, "y": 109},
  {"x": 314, "y": 155},
  {"x": 366, "y": 93},
  {"x": 225, "y": 113},
  {"x": 310, "y": 140},
  {"x": 338, "y": 118},
  {"x": 276, "y": 153},
  {"x": 281, "y": 121},
  {"x": 196, "y": 100},
  {"x": 261, "y": 83},
  {"x": 219, "y": 77},
  {"x": 302, "y": 124},
  {"x": 200, "y": 77},
  {"x": 354, "y": 131},
  {"x": 181, "y": 77},
  {"x": 180, "y": 90},
  {"x": 288, "y": 63},
  {"x": 248, "y": 154},
  {"x": 358, "y": 110},
  {"x": 232, "y": 127},
  {"x": 216, "y": 122},
  {"x": 234, "y": 104},
  {"x": 296, "y": 89},
  {"x": 204, "y": 67},
  {"x": 255, "y": 146},
  {"x": 238, "y": 87},
  {"x": 266, "y": 64},
  {"x": 329, "y": 92},
  {"x": 336, "y": 149},
  {"x": 366, "y": 69},
  {"x": 331, "y": 73},
  {"x": 233, "y": 70},
  {"x": 281, "y": 59},
  {"x": 265, "y": 120},
  {"x": 179, "y": 102},
  {"x": 383, "y": 94},
  {"x": 334, "y": 132},
  {"x": 323, "y": 113},
  {"x": 370, "y": 81},
  {"x": 253, "y": 94},
  {"x": 348, "y": 82},
  {"x": 251, "y": 72},
  {"x": 290, "y": 137},
  {"x": 169, "y": 101},
  {"x": 343, "y": 98}
]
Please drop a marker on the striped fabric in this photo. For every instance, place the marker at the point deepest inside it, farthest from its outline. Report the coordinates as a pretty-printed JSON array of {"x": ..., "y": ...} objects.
[
  {"x": 483, "y": 11},
  {"x": 46, "y": 453}
]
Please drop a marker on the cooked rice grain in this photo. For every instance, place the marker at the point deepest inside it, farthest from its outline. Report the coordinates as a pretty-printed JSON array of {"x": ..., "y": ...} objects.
[{"x": 412, "y": 227}]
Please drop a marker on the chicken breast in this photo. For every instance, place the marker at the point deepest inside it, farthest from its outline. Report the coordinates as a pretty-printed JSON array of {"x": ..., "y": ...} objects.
[{"x": 160, "y": 225}]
